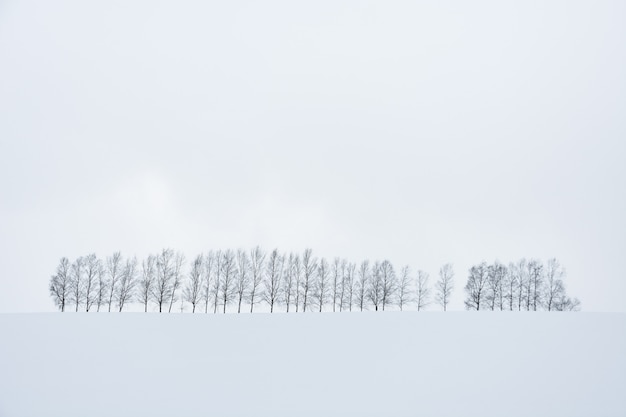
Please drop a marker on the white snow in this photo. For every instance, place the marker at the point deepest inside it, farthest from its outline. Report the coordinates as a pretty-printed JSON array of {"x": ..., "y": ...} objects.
[{"x": 330, "y": 364}]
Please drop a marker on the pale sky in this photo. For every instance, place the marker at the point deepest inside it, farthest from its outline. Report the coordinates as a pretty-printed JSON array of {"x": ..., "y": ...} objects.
[{"x": 419, "y": 132}]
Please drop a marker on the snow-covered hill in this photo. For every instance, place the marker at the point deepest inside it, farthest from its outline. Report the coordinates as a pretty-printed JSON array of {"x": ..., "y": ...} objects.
[{"x": 348, "y": 364}]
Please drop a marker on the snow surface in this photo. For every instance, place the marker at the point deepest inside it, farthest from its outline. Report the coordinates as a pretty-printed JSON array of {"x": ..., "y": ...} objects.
[{"x": 341, "y": 364}]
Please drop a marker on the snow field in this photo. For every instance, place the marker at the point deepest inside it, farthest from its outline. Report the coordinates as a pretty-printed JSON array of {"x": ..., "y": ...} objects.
[{"x": 330, "y": 364}]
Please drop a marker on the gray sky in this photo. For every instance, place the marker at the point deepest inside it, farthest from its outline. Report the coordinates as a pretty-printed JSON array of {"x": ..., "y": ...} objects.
[{"x": 424, "y": 133}]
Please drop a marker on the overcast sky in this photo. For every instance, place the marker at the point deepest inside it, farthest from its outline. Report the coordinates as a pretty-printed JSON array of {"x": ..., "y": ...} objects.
[{"x": 419, "y": 132}]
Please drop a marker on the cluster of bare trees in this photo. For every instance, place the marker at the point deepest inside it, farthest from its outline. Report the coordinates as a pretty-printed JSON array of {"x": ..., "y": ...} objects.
[
  {"x": 95, "y": 284},
  {"x": 213, "y": 281},
  {"x": 242, "y": 280},
  {"x": 523, "y": 285}
]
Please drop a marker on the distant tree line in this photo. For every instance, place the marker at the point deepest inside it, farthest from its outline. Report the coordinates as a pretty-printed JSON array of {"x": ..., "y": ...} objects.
[{"x": 295, "y": 282}]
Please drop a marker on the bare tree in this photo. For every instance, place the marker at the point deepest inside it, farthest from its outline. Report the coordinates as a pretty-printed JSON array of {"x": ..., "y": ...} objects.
[
  {"x": 522, "y": 284},
  {"x": 375, "y": 288},
  {"x": 162, "y": 288},
  {"x": 217, "y": 281},
  {"x": 510, "y": 285},
  {"x": 322, "y": 283},
  {"x": 554, "y": 288},
  {"x": 535, "y": 275},
  {"x": 60, "y": 284},
  {"x": 209, "y": 265},
  {"x": 422, "y": 290},
  {"x": 444, "y": 286},
  {"x": 193, "y": 289},
  {"x": 389, "y": 283},
  {"x": 146, "y": 284},
  {"x": 476, "y": 285},
  {"x": 243, "y": 277},
  {"x": 309, "y": 266},
  {"x": 257, "y": 265},
  {"x": 554, "y": 296},
  {"x": 288, "y": 280},
  {"x": 271, "y": 290},
  {"x": 177, "y": 278},
  {"x": 496, "y": 275},
  {"x": 342, "y": 283},
  {"x": 102, "y": 287},
  {"x": 297, "y": 276},
  {"x": 349, "y": 284},
  {"x": 336, "y": 280},
  {"x": 362, "y": 285},
  {"x": 528, "y": 290},
  {"x": 128, "y": 281},
  {"x": 405, "y": 290},
  {"x": 77, "y": 282},
  {"x": 228, "y": 269},
  {"x": 114, "y": 271},
  {"x": 92, "y": 267}
]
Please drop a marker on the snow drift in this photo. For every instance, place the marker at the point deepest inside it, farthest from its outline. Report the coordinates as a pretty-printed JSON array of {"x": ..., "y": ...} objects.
[{"x": 361, "y": 364}]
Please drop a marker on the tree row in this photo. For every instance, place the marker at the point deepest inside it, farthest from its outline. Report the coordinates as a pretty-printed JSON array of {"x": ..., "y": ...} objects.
[{"x": 242, "y": 280}]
